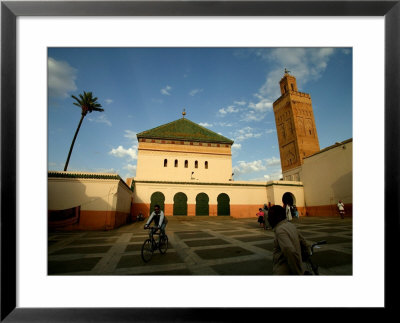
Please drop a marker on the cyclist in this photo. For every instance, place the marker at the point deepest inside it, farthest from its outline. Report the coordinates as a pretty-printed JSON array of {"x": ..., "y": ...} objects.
[{"x": 159, "y": 219}]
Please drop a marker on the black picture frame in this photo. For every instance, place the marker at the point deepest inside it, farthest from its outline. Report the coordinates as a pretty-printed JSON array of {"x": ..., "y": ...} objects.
[{"x": 10, "y": 10}]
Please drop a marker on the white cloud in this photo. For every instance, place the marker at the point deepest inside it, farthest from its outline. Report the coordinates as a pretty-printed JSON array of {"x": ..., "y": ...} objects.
[
  {"x": 257, "y": 111},
  {"x": 101, "y": 119},
  {"x": 195, "y": 91},
  {"x": 225, "y": 124},
  {"x": 246, "y": 133},
  {"x": 131, "y": 135},
  {"x": 61, "y": 78},
  {"x": 306, "y": 64},
  {"x": 236, "y": 146},
  {"x": 121, "y": 152},
  {"x": 205, "y": 124},
  {"x": 166, "y": 90},
  {"x": 273, "y": 161},
  {"x": 249, "y": 167},
  {"x": 275, "y": 176},
  {"x": 108, "y": 101},
  {"x": 131, "y": 168},
  {"x": 263, "y": 105},
  {"x": 240, "y": 102},
  {"x": 270, "y": 169},
  {"x": 230, "y": 109}
]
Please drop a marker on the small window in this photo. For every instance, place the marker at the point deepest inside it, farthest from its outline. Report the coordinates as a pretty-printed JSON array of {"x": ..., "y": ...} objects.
[
  {"x": 165, "y": 163},
  {"x": 196, "y": 164},
  {"x": 186, "y": 164},
  {"x": 285, "y": 88},
  {"x": 206, "y": 165},
  {"x": 292, "y": 87},
  {"x": 176, "y": 163}
]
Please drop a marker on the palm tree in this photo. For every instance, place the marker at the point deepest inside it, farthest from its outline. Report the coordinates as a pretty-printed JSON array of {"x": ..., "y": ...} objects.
[{"x": 87, "y": 103}]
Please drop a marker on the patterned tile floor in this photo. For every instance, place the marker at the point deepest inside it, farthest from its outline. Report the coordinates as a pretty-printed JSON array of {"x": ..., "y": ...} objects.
[{"x": 197, "y": 246}]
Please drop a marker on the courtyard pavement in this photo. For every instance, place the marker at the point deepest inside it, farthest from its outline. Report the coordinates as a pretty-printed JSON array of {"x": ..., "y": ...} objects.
[{"x": 197, "y": 246}]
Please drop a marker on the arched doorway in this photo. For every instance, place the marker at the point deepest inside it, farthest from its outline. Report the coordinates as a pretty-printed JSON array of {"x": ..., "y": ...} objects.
[
  {"x": 288, "y": 199},
  {"x": 180, "y": 204},
  {"x": 157, "y": 198},
  {"x": 202, "y": 204},
  {"x": 223, "y": 204}
]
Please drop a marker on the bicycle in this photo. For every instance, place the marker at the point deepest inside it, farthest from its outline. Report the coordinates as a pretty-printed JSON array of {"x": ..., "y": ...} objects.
[
  {"x": 311, "y": 268},
  {"x": 150, "y": 244}
]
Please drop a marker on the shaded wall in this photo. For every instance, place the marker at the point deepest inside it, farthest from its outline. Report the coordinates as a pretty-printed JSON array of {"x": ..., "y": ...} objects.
[
  {"x": 327, "y": 178},
  {"x": 96, "y": 203}
]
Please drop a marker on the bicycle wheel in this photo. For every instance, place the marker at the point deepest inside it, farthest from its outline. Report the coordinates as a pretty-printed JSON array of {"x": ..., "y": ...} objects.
[
  {"x": 163, "y": 244},
  {"x": 147, "y": 250}
]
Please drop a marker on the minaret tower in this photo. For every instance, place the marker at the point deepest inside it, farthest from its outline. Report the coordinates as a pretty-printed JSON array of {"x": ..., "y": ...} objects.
[{"x": 295, "y": 124}]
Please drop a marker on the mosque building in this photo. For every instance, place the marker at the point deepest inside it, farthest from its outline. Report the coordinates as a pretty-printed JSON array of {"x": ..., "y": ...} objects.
[{"x": 187, "y": 170}]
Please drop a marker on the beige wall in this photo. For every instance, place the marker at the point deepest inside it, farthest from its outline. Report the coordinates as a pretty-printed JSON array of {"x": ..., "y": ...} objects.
[
  {"x": 276, "y": 189},
  {"x": 292, "y": 174},
  {"x": 124, "y": 198},
  {"x": 245, "y": 197},
  {"x": 237, "y": 194},
  {"x": 327, "y": 176},
  {"x": 151, "y": 156}
]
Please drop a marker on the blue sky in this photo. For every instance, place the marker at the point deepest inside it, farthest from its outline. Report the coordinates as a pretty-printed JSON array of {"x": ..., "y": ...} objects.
[{"x": 227, "y": 90}]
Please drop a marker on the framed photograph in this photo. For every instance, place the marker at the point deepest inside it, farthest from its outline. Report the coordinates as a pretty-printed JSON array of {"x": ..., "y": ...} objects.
[{"x": 31, "y": 31}]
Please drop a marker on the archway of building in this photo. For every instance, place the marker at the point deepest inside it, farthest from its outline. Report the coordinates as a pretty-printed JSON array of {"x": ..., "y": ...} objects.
[
  {"x": 157, "y": 198},
  {"x": 180, "y": 204},
  {"x": 223, "y": 205},
  {"x": 202, "y": 204},
  {"x": 288, "y": 199}
]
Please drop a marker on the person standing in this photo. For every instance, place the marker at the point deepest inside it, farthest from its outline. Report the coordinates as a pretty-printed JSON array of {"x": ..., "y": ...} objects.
[
  {"x": 288, "y": 212},
  {"x": 296, "y": 212},
  {"x": 340, "y": 206},
  {"x": 260, "y": 215},
  {"x": 289, "y": 244},
  {"x": 266, "y": 223}
]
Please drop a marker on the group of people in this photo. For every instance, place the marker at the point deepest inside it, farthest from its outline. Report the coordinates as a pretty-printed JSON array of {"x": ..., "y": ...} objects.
[
  {"x": 263, "y": 216},
  {"x": 290, "y": 211}
]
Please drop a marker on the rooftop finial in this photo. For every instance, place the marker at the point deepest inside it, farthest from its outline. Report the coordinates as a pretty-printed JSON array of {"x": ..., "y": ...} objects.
[
  {"x": 286, "y": 71},
  {"x": 183, "y": 114}
]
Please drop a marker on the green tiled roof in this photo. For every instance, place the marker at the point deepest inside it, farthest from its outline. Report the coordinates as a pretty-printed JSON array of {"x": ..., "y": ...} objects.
[{"x": 184, "y": 129}]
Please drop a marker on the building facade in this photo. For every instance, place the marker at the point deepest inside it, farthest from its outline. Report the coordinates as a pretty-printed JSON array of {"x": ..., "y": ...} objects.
[{"x": 187, "y": 170}]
